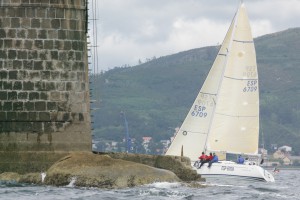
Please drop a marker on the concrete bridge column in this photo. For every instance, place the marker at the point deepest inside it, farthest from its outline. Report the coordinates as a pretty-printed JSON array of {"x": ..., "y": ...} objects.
[{"x": 44, "y": 86}]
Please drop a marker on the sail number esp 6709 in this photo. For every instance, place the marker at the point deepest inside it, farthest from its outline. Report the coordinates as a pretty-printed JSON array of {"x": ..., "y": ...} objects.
[
  {"x": 251, "y": 86},
  {"x": 199, "y": 111}
]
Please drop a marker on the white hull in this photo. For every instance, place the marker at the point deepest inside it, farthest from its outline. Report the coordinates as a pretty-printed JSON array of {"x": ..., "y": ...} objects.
[{"x": 230, "y": 170}]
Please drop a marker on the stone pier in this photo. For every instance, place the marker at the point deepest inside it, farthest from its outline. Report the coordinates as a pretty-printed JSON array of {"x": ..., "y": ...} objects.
[{"x": 44, "y": 86}]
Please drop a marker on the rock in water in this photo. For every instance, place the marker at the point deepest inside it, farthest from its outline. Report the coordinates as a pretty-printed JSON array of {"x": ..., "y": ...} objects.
[
  {"x": 103, "y": 171},
  {"x": 10, "y": 176}
]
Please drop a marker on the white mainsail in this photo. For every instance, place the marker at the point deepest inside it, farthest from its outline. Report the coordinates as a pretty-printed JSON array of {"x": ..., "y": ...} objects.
[{"x": 225, "y": 114}]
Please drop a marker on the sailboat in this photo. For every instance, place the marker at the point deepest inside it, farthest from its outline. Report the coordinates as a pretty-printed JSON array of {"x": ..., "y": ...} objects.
[{"x": 224, "y": 118}]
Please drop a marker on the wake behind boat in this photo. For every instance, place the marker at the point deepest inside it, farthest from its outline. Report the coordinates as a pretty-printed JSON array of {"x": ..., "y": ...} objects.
[{"x": 225, "y": 115}]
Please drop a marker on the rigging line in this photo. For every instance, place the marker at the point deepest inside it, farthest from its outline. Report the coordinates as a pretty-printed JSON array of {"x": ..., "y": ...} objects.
[
  {"x": 86, "y": 17},
  {"x": 92, "y": 38},
  {"x": 93, "y": 27},
  {"x": 241, "y": 79},
  {"x": 241, "y": 41},
  {"x": 237, "y": 116},
  {"x": 207, "y": 93},
  {"x": 197, "y": 132},
  {"x": 96, "y": 37},
  {"x": 94, "y": 49}
]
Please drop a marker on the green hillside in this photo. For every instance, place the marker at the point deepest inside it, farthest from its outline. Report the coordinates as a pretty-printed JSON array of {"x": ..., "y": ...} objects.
[{"x": 157, "y": 95}]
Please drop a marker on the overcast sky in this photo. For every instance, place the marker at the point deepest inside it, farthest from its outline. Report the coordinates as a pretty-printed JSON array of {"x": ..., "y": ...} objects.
[{"x": 129, "y": 30}]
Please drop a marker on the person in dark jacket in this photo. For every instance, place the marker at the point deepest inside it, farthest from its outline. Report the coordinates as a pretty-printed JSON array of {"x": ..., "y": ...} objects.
[
  {"x": 215, "y": 159},
  {"x": 240, "y": 160}
]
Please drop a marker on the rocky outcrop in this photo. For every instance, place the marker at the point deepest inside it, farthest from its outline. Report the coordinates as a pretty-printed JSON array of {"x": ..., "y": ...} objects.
[
  {"x": 111, "y": 170},
  {"x": 10, "y": 176},
  {"x": 92, "y": 170},
  {"x": 35, "y": 178},
  {"x": 181, "y": 166}
]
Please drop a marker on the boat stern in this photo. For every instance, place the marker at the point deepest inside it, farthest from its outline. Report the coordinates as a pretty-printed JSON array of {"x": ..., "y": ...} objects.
[{"x": 268, "y": 176}]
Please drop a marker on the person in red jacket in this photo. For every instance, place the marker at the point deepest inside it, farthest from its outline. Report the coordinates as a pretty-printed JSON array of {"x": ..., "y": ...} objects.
[
  {"x": 202, "y": 157},
  {"x": 206, "y": 159},
  {"x": 210, "y": 157}
]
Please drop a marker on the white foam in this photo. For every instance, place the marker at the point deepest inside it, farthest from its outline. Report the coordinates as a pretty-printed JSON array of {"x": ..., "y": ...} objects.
[
  {"x": 72, "y": 182},
  {"x": 165, "y": 185},
  {"x": 43, "y": 174},
  {"x": 223, "y": 185}
]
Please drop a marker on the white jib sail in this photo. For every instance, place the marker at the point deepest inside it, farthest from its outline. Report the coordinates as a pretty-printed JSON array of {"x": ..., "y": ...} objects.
[{"x": 193, "y": 132}]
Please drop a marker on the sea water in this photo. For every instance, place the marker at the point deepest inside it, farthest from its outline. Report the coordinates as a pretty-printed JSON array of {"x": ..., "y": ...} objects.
[{"x": 286, "y": 187}]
